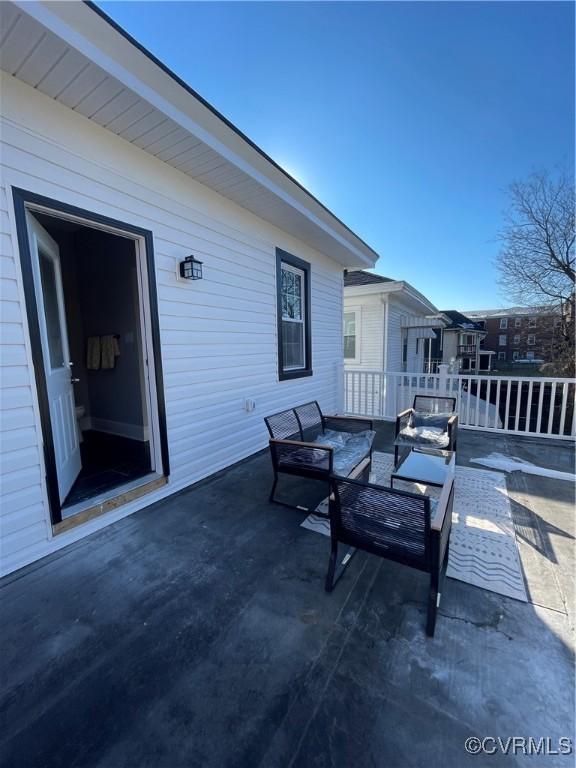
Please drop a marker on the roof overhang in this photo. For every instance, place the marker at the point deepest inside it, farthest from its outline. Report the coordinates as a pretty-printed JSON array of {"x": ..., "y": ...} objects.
[
  {"x": 418, "y": 301},
  {"x": 75, "y": 54}
]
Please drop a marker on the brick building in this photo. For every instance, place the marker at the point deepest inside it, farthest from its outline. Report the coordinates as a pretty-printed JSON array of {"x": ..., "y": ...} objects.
[{"x": 520, "y": 333}]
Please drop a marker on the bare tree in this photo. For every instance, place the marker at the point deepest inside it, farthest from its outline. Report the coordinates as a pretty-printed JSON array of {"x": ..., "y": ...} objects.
[{"x": 536, "y": 260}]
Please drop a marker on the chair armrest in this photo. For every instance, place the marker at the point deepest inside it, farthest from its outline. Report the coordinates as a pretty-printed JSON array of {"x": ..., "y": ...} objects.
[
  {"x": 347, "y": 423},
  {"x": 441, "y": 525},
  {"x": 443, "y": 502},
  {"x": 299, "y": 454},
  {"x": 402, "y": 420},
  {"x": 452, "y": 432}
]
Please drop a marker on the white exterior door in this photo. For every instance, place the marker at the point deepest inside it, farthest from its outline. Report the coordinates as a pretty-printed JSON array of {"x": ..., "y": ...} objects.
[{"x": 52, "y": 320}]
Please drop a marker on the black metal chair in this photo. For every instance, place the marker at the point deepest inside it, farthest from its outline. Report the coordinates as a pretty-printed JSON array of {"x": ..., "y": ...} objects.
[
  {"x": 430, "y": 405},
  {"x": 405, "y": 527},
  {"x": 293, "y": 449}
]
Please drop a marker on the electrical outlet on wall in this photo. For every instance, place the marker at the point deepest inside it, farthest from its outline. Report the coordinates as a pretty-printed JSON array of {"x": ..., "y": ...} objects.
[{"x": 249, "y": 405}]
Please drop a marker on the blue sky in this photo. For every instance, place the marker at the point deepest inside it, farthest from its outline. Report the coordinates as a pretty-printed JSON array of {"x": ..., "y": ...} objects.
[{"x": 407, "y": 120}]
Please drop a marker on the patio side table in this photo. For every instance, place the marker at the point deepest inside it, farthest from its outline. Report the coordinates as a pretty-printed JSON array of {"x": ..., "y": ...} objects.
[{"x": 428, "y": 466}]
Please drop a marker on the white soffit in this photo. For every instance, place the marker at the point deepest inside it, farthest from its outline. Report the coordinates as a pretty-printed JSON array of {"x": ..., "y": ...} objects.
[{"x": 69, "y": 52}]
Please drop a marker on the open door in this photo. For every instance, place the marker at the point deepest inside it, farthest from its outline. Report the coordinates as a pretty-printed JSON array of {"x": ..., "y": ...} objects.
[{"x": 45, "y": 256}]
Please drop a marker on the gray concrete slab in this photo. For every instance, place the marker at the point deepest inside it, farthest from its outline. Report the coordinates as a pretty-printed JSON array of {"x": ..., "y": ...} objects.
[{"x": 197, "y": 633}]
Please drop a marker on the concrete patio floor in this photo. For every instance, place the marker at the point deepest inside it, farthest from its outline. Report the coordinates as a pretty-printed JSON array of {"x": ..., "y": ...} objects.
[{"x": 197, "y": 633}]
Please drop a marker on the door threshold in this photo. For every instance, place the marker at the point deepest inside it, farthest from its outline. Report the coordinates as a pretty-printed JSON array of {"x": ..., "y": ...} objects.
[{"x": 86, "y": 510}]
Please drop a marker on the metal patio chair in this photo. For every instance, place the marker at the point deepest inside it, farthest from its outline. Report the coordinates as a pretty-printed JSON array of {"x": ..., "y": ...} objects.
[
  {"x": 419, "y": 426},
  {"x": 408, "y": 528}
]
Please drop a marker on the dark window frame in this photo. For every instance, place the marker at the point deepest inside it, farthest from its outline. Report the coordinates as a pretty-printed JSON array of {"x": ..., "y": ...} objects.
[
  {"x": 355, "y": 336},
  {"x": 283, "y": 257},
  {"x": 22, "y": 199}
]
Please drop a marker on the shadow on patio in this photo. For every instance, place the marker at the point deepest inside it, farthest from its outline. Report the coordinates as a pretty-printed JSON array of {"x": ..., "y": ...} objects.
[{"x": 197, "y": 633}]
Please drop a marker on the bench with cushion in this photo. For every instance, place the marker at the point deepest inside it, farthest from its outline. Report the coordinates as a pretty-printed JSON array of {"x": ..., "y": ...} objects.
[
  {"x": 306, "y": 443},
  {"x": 430, "y": 423},
  {"x": 408, "y": 528}
]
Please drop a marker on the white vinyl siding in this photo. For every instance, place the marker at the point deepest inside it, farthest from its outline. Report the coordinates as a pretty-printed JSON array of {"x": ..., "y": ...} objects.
[
  {"x": 218, "y": 335},
  {"x": 369, "y": 312},
  {"x": 396, "y": 313},
  {"x": 379, "y": 331}
]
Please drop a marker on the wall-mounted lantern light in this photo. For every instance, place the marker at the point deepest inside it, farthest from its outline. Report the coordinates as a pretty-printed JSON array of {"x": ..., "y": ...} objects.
[{"x": 191, "y": 268}]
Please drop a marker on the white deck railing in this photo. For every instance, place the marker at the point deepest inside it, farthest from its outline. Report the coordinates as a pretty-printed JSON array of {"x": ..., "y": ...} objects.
[{"x": 537, "y": 406}]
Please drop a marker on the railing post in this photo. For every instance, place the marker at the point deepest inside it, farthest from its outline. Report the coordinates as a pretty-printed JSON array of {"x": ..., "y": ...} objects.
[{"x": 443, "y": 380}]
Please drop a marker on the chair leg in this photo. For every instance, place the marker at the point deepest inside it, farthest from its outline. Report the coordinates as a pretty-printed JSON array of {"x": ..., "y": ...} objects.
[
  {"x": 329, "y": 585},
  {"x": 433, "y": 596},
  {"x": 337, "y": 566},
  {"x": 395, "y": 456},
  {"x": 274, "y": 484},
  {"x": 437, "y": 579}
]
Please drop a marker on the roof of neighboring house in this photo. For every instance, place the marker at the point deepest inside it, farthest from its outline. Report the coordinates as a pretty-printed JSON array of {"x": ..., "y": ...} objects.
[
  {"x": 484, "y": 314},
  {"x": 459, "y": 321},
  {"x": 361, "y": 283},
  {"x": 360, "y": 277},
  {"x": 112, "y": 80}
]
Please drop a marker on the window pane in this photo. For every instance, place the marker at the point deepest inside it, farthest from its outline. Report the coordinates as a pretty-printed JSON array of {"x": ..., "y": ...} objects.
[
  {"x": 297, "y": 285},
  {"x": 291, "y": 294},
  {"x": 287, "y": 281},
  {"x": 350, "y": 347},
  {"x": 292, "y": 345},
  {"x": 297, "y": 309},
  {"x": 50, "y": 296},
  {"x": 349, "y": 324}
]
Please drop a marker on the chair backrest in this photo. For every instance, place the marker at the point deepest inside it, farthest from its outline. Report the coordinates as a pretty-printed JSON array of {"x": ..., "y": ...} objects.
[
  {"x": 434, "y": 404},
  {"x": 284, "y": 425},
  {"x": 387, "y": 522},
  {"x": 309, "y": 418}
]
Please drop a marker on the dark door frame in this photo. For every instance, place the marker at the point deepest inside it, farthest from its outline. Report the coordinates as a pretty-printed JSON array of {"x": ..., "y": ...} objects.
[{"x": 22, "y": 199}]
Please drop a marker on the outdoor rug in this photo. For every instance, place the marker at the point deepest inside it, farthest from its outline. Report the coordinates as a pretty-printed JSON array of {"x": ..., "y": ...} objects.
[{"x": 483, "y": 548}]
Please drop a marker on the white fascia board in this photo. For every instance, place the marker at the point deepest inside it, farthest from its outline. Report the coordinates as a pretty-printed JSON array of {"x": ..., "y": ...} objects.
[
  {"x": 83, "y": 29},
  {"x": 419, "y": 298},
  {"x": 394, "y": 286},
  {"x": 366, "y": 290}
]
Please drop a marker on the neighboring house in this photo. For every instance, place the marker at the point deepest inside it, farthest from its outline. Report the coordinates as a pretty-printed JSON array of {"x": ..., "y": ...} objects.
[
  {"x": 520, "y": 333},
  {"x": 386, "y": 324},
  {"x": 124, "y": 381},
  {"x": 460, "y": 343}
]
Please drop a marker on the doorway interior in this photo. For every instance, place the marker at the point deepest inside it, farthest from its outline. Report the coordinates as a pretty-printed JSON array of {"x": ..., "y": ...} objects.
[{"x": 92, "y": 308}]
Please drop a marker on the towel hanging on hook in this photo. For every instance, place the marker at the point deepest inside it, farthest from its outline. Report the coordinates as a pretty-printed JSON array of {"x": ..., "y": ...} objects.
[{"x": 110, "y": 351}]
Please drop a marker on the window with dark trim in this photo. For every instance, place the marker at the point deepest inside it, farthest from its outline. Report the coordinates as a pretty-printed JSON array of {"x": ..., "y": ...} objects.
[
  {"x": 350, "y": 331},
  {"x": 293, "y": 303}
]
